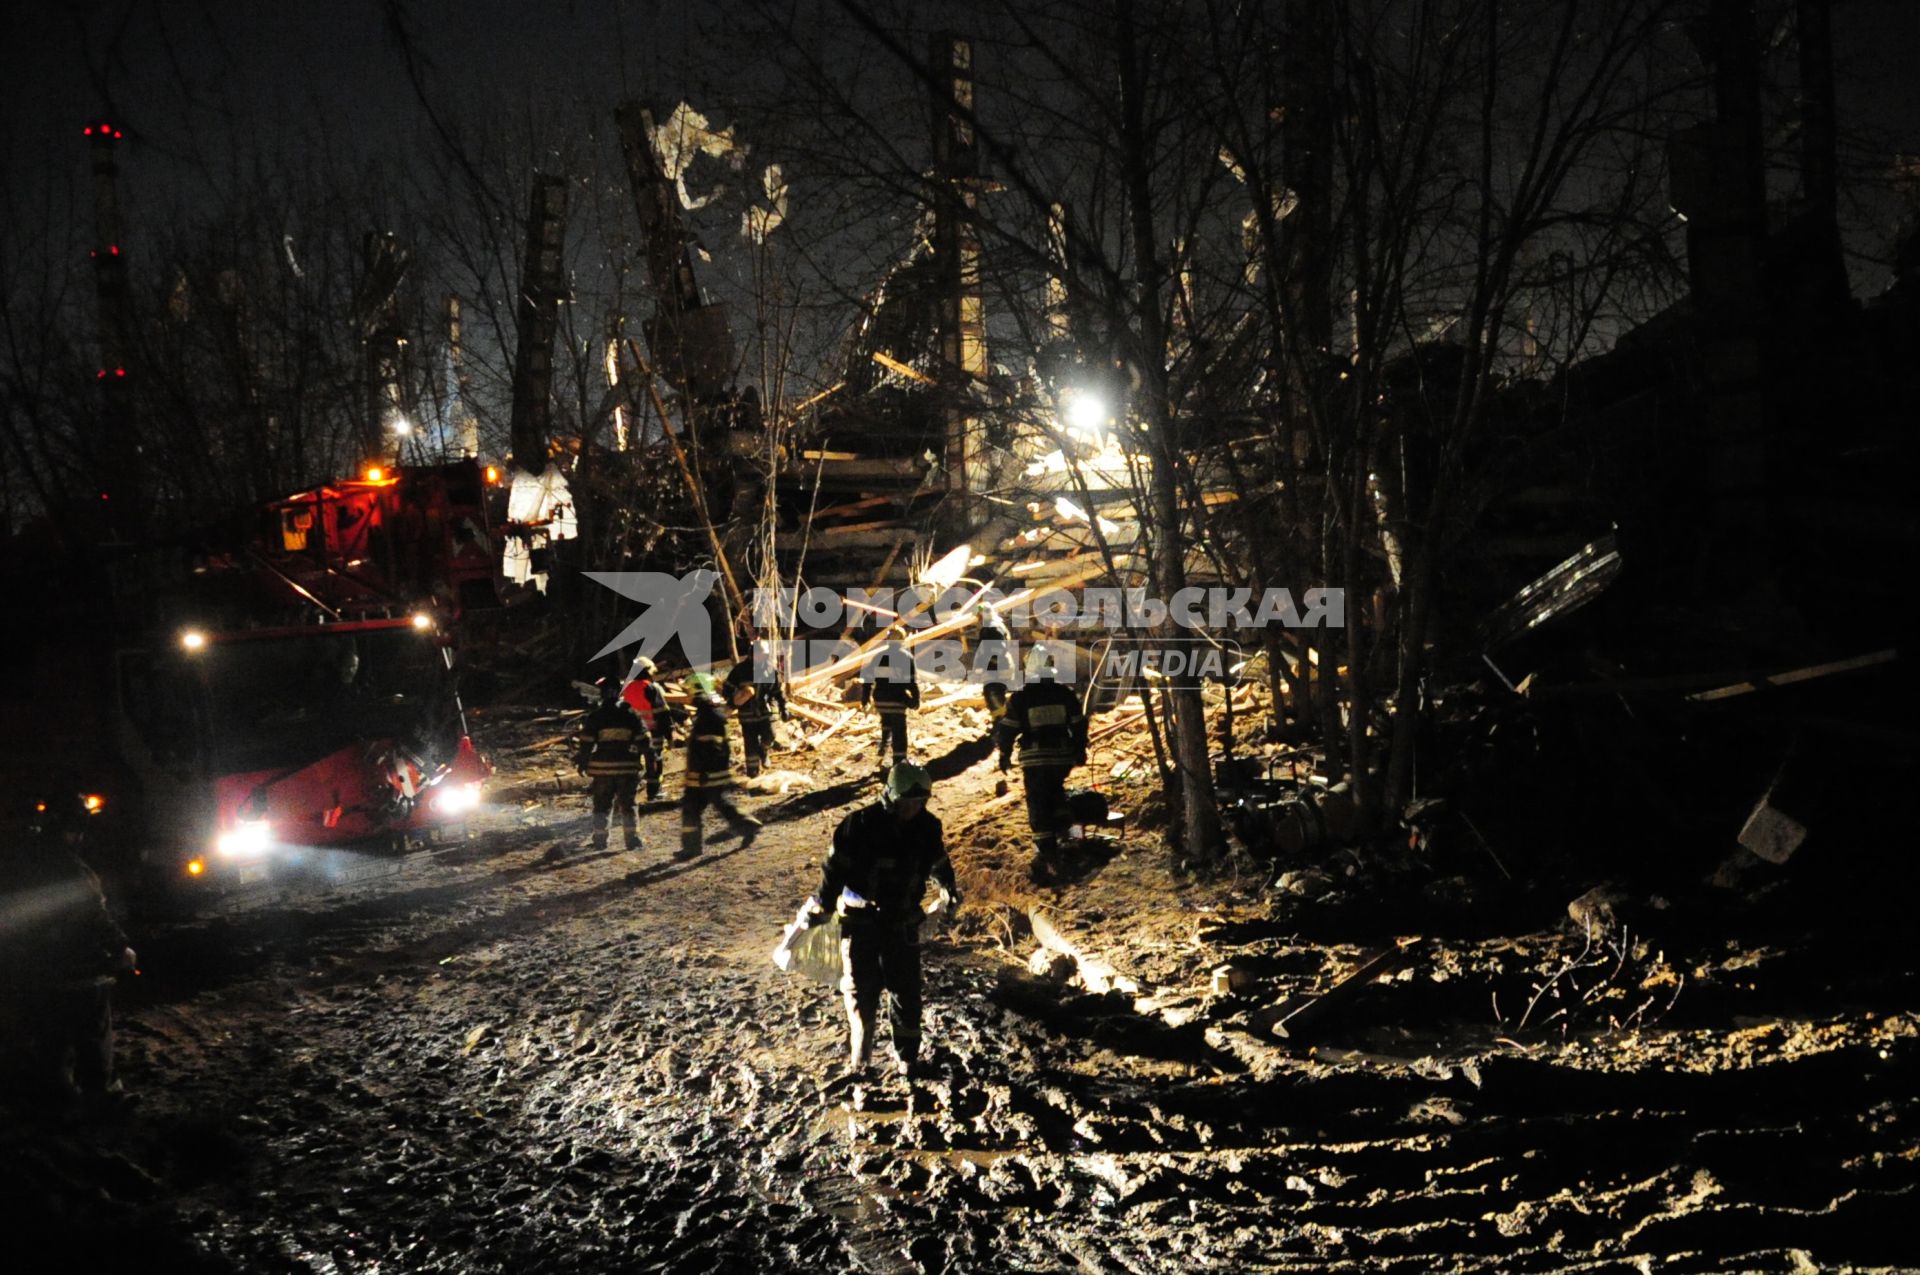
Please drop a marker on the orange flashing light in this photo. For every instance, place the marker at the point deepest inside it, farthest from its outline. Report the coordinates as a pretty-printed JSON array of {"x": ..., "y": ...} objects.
[
  {"x": 373, "y": 473},
  {"x": 493, "y": 475},
  {"x": 195, "y": 867}
]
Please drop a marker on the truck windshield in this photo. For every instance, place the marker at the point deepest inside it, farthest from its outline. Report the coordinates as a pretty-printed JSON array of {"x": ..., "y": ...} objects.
[{"x": 286, "y": 701}]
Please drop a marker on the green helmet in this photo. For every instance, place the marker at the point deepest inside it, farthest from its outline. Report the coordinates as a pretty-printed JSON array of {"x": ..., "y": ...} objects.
[
  {"x": 906, "y": 780},
  {"x": 701, "y": 684}
]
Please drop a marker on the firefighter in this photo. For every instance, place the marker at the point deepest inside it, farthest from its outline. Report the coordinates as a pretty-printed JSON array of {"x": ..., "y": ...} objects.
[
  {"x": 643, "y": 695},
  {"x": 753, "y": 703},
  {"x": 709, "y": 771},
  {"x": 874, "y": 879},
  {"x": 59, "y": 952},
  {"x": 608, "y": 751},
  {"x": 1044, "y": 720},
  {"x": 993, "y": 658},
  {"x": 888, "y": 682}
]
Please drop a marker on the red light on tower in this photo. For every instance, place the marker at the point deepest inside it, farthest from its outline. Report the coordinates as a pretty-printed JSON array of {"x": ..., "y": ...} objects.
[{"x": 119, "y": 371}]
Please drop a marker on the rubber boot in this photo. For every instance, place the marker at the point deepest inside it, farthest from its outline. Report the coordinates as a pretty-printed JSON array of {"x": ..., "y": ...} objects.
[
  {"x": 1041, "y": 871},
  {"x": 859, "y": 1046}
]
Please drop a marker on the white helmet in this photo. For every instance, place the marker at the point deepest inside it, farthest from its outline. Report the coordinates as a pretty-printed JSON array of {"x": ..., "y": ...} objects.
[{"x": 1040, "y": 663}]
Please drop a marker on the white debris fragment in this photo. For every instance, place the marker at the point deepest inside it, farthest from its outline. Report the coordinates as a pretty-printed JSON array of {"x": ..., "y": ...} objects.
[
  {"x": 684, "y": 135},
  {"x": 759, "y": 221}
]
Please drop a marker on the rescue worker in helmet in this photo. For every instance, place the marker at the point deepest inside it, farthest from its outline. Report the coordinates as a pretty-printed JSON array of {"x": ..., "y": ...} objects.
[
  {"x": 59, "y": 952},
  {"x": 1044, "y": 723},
  {"x": 888, "y": 682},
  {"x": 755, "y": 688},
  {"x": 993, "y": 660},
  {"x": 709, "y": 771},
  {"x": 608, "y": 751},
  {"x": 875, "y": 878},
  {"x": 644, "y": 696}
]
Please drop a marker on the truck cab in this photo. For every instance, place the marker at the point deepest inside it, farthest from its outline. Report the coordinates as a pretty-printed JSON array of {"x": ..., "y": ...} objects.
[{"x": 264, "y": 750}]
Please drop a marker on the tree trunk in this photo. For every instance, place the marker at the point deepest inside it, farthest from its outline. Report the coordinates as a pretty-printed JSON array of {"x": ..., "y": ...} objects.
[{"x": 1199, "y": 817}]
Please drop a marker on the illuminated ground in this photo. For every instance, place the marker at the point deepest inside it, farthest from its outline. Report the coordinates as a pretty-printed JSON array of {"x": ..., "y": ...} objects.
[{"x": 486, "y": 1062}]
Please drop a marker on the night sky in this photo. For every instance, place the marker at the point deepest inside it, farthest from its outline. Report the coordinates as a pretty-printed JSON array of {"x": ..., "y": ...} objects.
[{"x": 183, "y": 75}]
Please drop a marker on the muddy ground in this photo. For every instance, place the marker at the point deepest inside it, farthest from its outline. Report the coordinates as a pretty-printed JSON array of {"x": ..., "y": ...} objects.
[{"x": 475, "y": 1059}]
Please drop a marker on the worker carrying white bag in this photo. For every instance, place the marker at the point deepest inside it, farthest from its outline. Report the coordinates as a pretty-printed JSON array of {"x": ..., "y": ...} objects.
[{"x": 876, "y": 878}]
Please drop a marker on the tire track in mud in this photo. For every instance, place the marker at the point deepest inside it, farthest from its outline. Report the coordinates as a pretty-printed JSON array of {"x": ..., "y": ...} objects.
[{"x": 489, "y": 1064}]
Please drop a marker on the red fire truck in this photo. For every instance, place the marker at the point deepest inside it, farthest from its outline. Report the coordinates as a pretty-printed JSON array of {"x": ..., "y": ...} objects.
[{"x": 296, "y": 694}]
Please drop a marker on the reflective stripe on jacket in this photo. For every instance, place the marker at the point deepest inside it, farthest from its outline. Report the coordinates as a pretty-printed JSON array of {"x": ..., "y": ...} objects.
[
  {"x": 709, "y": 753},
  {"x": 1044, "y": 720},
  {"x": 612, "y": 741}
]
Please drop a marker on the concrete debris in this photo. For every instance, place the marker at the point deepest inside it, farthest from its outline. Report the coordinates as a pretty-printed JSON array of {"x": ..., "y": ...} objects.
[
  {"x": 1306, "y": 884},
  {"x": 1056, "y": 967},
  {"x": 1771, "y": 832},
  {"x": 1598, "y": 910}
]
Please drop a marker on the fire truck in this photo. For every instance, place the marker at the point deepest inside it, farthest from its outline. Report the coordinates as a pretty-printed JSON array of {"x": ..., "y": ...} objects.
[{"x": 294, "y": 692}]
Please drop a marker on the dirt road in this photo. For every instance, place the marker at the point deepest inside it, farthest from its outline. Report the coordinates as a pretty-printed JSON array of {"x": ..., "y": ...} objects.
[{"x": 487, "y": 1062}]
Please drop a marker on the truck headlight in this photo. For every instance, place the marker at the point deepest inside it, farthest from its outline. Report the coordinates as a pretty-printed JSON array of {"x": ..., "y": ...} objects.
[
  {"x": 245, "y": 840},
  {"x": 457, "y": 799}
]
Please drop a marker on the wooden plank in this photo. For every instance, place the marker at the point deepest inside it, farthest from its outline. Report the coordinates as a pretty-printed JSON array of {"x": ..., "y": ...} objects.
[
  {"x": 1126, "y": 718},
  {"x": 1723, "y": 685},
  {"x": 851, "y": 507},
  {"x": 825, "y": 542},
  {"x": 879, "y": 579},
  {"x": 806, "y": 714},
  {"x": 892, "y": 364},
  {"x": 857, "y": 468},
  {"x": 1796, "y": 675},
  {"x": 845, "y": 529},
  {"x": 1295, "y": 1018},
  {"x": 832, "y": 730},
  {"x": 853, "y": 663}
]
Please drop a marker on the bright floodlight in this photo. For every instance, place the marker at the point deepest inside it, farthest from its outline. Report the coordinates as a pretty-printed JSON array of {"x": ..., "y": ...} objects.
[
  {"x": 401, "y": 425},
  {"x": 193, "y": 640},
  {"x": 457, "y": 799},
  {"x": 1086, "y": 413},
  {"x": 422, "y": 621},
  {"x": 245, "y": 840}
]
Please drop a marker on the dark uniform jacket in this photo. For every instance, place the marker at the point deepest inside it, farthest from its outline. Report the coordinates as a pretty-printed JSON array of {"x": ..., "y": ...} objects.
[
  {"x": 1044, "y": 719},
  {"x": 890, "y": 680},
  {"x": 709, "y": 755},
  {"x": 612, "y": 741},
  {"x": 55, "y": 930},
  {"x": 766, "y": 696},
  {"x": 885, "y": 862}
]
